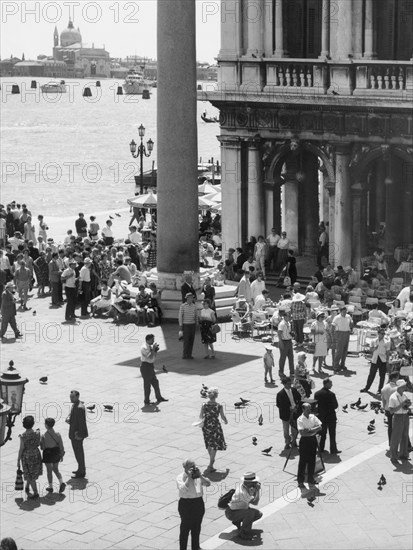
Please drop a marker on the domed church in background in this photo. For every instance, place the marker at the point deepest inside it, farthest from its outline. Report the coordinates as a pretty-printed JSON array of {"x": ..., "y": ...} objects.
[{"x": 81, "y": 60}]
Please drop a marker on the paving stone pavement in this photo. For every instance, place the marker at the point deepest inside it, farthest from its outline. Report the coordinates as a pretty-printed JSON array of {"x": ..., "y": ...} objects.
[{"x": 133, "y": 455}]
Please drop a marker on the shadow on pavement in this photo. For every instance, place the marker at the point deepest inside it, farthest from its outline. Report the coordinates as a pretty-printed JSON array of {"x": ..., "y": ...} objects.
[{"x": 77, "y": 484}]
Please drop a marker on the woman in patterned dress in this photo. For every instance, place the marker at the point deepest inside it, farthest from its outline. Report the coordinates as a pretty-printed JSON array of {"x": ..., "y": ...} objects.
[
  {"x": 29, "y": 458},
  {"x": 207, "y": 319},
  {"x": 212, "y": 429}
]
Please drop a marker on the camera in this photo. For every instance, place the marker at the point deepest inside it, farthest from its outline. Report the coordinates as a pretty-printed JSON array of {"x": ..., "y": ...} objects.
[{"x": 195, "y": 473}]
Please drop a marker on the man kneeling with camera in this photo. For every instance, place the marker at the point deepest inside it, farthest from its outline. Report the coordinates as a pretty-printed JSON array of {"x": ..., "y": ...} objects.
[
  {"x": 191, "y": 506},
  {"x": 239, "y": 511}
]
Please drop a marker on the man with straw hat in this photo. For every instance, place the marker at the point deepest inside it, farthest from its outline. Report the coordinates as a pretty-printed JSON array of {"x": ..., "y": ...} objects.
[{"x": 239, "y": 511}]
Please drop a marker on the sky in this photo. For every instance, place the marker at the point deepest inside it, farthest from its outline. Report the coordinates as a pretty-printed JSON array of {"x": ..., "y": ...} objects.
[{"x": 123, "y": 27}]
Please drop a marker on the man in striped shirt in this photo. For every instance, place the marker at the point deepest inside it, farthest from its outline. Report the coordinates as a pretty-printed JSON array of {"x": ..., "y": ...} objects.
[{"x": 188, "y": 317}]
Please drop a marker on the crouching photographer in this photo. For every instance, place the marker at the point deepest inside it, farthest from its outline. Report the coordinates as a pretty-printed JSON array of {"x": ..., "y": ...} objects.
[
  {"x": 191, "y": 506},
  {"x": 239, "y": 511}
]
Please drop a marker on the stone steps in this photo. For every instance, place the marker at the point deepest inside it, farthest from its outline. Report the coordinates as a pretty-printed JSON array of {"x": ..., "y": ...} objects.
[{"x": 224, "y": 300}]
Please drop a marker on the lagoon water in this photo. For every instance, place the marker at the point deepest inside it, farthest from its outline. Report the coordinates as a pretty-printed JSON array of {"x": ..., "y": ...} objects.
[{"x": 62, "y": 153}]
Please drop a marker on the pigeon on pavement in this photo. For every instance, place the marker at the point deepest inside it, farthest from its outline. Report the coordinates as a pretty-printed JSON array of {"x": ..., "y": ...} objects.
[
  {"x": 266, "y": 451},
  {"x": 43, "y": 380},
  {"x": 91, "y": 407},
  {"x": 260, "y": 420},
  {"x": 164, "y": 368}
]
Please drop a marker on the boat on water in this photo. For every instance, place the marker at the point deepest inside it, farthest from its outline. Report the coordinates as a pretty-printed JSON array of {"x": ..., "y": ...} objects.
[
  {"x": 54, "y": 87},
  {"x": 208, "y": 119},
  {"x": 135, "y": 83}
]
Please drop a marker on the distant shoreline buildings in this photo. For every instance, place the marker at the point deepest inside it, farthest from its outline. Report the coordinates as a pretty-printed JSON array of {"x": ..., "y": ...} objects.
[{"x": 71, "y": 58}]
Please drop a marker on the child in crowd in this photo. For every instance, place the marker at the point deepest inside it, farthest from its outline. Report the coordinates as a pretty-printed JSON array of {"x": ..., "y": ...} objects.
[{"x": 268, "y": 364}]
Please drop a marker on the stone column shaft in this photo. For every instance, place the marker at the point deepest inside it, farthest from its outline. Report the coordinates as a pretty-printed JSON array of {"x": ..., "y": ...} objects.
[
  {"x": 231, "y": 194},
  {"x": 291, "y": 212},
  {"x": 325, "y": 30},
  {"x": 369, "y": 32},
  {"x": 255, "y": 192},
  {"x": 177, "y": 141},
  {"x": 269, "y": 209},
  {"x": 343, "y": 214},
  {"x": 279, "y": 31},
  {"x": 344, "y": 30},
  {"x": 358, "y": 28},
  {"x": 254, "y": 12},
  {"x": 230, "y": 29}
]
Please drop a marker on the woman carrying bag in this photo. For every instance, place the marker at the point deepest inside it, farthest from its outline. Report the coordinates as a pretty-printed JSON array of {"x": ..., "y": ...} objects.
[{"x": 53, "y": 451}]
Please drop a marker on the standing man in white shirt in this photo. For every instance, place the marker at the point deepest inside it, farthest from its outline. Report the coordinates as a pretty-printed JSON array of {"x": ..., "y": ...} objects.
[
  {"x": 85, "y": 286},
  {"x": 191, "y": 505},
  {"x": 148, "y": 353},
  {"x": 134, "y": 236},
  {"x": 239, "y": 511},
  {"x": 399, "y": 407},
  {"x": 381, "y": 352},
  {"x": 343, "y": 325},
  {"x": 386, "y": 392},
  {"x": 107, "y": 233},
  {"x": 285, "y": 344},
  {"x": 308, "y": 426},
  {"x": 69, "y": 281},
  {"x": 272, "y": 241}
]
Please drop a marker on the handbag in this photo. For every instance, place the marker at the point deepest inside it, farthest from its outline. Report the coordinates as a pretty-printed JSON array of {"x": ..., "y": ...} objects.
[
  {"x": 199, "y": 423},
  {"x": 215, "y": 329},
  {"x": 18, "y": 485}
]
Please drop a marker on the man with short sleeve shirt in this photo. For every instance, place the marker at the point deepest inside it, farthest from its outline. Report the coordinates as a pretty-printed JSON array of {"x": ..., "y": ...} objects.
[
  {"x": 308, "y": 426},
  {"x": 239, "y": 510},
  {"x": 386, "y": 392},
  {"x": 399, "y": 406},
  {"x": 148, "y": 354},
  {"x": 285, "y": 343},
  {"x": 85, "y": 286},
  {"x": 381, "y": 352},
  {"x": 343, "y": 325},
  {"x": 191, "y": 505},
  {"x": 69, "y": 280}
]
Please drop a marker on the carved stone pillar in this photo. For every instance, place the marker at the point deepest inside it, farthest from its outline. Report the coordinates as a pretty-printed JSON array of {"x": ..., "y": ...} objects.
[
  {"x": 325, "y": 30},
  {"x": 359, "y": 227},
  {"x": 369, "y": 32},
  {"x": 177, "y": 143},
  {"x": 332, "y": 250},
  {"x": 255, "y": 190},
  {"x": 290, "y": 207},
  {"x": 393, "y": 215},
  {"x": 269, "y": 207},
  {"x": 231, "y": 192},
  {"x": 344, "y": 17},
  {"x": 230, "y": 29},
  {"x": 254, "y": 12},
  {"x": 358, "y": 28},
  {"x": 343, "y": 214},
  {"x": 279, "y": 30}
]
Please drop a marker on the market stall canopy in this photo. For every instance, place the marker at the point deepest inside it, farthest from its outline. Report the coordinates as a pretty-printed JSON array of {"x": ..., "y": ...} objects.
[{"x": 144, "y": 201}]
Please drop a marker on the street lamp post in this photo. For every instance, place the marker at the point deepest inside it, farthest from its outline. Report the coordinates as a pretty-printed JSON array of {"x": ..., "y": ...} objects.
[
  {"x": 140, "y": 151},
  {"x": 11, "y": 393}
]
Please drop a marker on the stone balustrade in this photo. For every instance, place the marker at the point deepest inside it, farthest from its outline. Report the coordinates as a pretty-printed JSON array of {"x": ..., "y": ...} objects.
[{"x": 369, "y": 78}]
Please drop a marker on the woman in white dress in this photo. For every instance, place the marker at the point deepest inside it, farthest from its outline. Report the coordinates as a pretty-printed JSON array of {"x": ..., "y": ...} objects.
[{"x": 319, "y": 331}]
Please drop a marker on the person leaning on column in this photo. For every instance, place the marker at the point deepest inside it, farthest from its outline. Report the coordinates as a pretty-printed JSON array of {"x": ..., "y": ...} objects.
[{"x": 191, "y": 506}]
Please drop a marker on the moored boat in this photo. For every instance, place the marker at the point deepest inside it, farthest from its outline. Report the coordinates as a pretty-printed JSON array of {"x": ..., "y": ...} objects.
[{"x": 54, "y": 87}]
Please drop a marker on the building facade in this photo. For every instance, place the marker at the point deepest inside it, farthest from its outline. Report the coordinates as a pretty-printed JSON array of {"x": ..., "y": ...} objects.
[
  {"x": 315, "y": 100},
  {"x": 81, "y": 61}
]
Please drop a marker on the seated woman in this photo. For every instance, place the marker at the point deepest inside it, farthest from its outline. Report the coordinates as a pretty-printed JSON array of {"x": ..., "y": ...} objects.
[
  {"x": 156, "y": 301},
  {"x": 302, "y": 381},
  {"x": 143, "y": 304},
  {"x": 102, "y": 302},
  {"x": 241, "y": 315}
]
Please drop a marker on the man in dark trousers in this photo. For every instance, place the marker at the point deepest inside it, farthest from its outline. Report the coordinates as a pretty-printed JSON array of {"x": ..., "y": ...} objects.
[
  {"x": 191, "y": 505},
  {"x": 308, "y": 426},
  {"x": 77, "y": 432},
  {"x": 148, "y": 353},
  {"x": 327, "y": 405},
  {"x": 188, "y": 317},
  {"x": 288, "y": 403},
  {"x": 55, "y": 279},
  {"x": 8, "y": 310}
]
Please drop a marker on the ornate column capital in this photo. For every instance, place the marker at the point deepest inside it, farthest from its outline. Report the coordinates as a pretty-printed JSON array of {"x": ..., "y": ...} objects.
[{"x": 231, "y": 142}]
